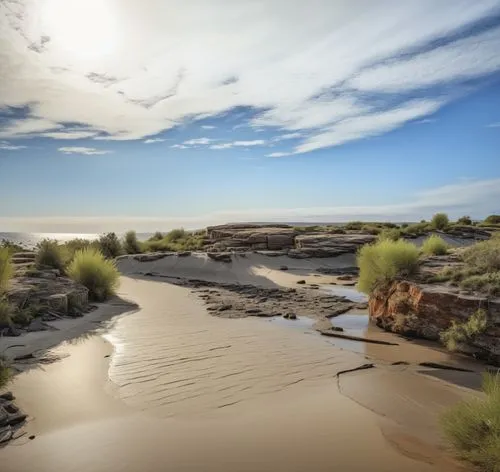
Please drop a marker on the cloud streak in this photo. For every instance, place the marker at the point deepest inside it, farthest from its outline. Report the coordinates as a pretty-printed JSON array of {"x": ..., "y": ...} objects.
[
  {"x": 87, "y": 151},
  {"x": 5, "y": 146}
]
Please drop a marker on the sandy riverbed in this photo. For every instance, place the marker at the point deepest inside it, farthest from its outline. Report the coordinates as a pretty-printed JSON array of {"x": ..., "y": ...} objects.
[{"x": 186, "y": 391}]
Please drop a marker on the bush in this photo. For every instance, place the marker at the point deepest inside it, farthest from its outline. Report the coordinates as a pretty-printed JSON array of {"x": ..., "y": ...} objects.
[
  {"x": 434, "y": 245},
  {"x": 473, "y": 427},
  {"x": 382, "y": 262},
  {"x": 440, "y": 221},
  {"x": 492, "y": 220},
  {"x": 415, "y": 229},
  {"x": 110, "y": 245},
  {"x": 390, "y": 234},
  {"x": 459, "y": 333},
  {"x": 464, "y": 220},
  {"x": 49, "y": 254},
  {"x": 5, "y": 313},
  {"x": 6, "y": 269},
  {"x": 69, "y": 248},
  {"x": 488, "y": 283},
  {"x": 130, "y": 244},
  {"x": 354, "y": 225},
  {"x": 99, "y": 275},
  {"x": 157, "y": 236},
  {"x": 175, "y": 235},
  {"x": 484, "y": 256}
]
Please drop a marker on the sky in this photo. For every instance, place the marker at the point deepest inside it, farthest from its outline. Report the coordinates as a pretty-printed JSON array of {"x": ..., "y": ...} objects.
[{"x": 155, "y": 114}]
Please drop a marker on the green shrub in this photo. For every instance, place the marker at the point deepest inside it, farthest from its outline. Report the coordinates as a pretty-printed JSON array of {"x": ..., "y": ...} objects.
[
  {"x": 382, "y": 262},
  {"x": 390, "y": 234},
  {"x": 416, "y": 229},
  {"x": 110, "y": 246},
  {"x": 459, "y": 333},
  {"x": 12, "y": 247},
  {"x": 371, "y": 229},
  {"x": 99, "y": 275},
  {"x": 464, "y": 220},
  {"x": 69, "y": 248},
  {"x": 5, "y": 372},
  {"x": 488, "y": 283},
  {"x": 175, "y": 235},
  {"x": 492, "y": 220},
  {"x": 49, "y": 254},
  {"x": 130, "y": 244},
  {"x": 473, "y": 426},
  {"x": 157, "y": 236},
  {"x": 440, "y": 221},
  {"x": 6, "y": 269},
  {"x": 434, "y": 245},
  {"x": 484, "y": 256},
  {"x": 5, "y": 312},
  {"x": 354, "y": 225}
]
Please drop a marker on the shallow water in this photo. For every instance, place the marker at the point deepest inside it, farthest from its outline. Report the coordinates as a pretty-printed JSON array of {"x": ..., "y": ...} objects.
[{"x": 349, "y": 292}]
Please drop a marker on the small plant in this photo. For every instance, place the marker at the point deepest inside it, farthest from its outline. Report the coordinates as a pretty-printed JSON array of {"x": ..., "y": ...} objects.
[
  {"x": 484, "y": 256},
  {"x": 110, "y": 245},
  {"x": 464, "y": 220},
  {"x": 440, "y": 221},
  {"x": 157, "y": 236},
  {"x": 175, "y": 235},
  {"x": 390, "y": 234},
  {"x": 70, "y": 247},
  {"x": 382, "y": 262},
  {"x": 473, "y": 426},
  {"x": 488, "y": 283},
  {"x": 99, "y": 275},
  {"x": 5, "y": 313},
  {"x": 493, "y": 220},
  {"x": 130, "y": 244},
  {"x": 6, "y": 269},
  {"x": 49, "y": 254},
  {"x": 354, "y": 225},
  {"x": 434, "y": 245},
  {"x": 460, "y": 333}
]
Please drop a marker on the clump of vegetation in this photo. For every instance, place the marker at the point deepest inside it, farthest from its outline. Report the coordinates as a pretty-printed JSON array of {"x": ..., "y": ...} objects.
[
  {"x": 70, "y": 247},
  {"x": 110, "y": 245},
  {"x": 13, "y": 248},
  {"x": 5, "y": 312},
  {"x": 131, "y": 244},
  {"x": 492, "y": 220},
  {"x": 157, "y": 236},
  {"x": 440, "y": 221},
  {"x": 49, "y": 254},
  {"x": 99, "y": 275},
  {"x": 473, "y": 426},
  {"x": 382, "y": 262},
  {"x": 464, "y": 220},
  {"x": 354, "y": 225},
  {"x": 434, "y": 245},
  {"x": 416, "y": 229},
  {"x": 460, "y": 333},
  {"x": 371, "y": 229},
  {"x": 488, "y": 283},
  {"x": 6, "y": 269},
  {"x": 390, "y": 234},
  {"x": 484, "y": 256},
  {"x": 175, "y": 240},
  {"x": 5, "y": 372}
]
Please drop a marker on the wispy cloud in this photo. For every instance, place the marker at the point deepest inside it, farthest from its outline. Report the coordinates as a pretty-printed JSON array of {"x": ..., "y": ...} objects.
[
  {"x": 4, "y": 145},
  {"x": 286, "y": 136},
  {"x": 70, "y": 134},
  {"x": 179, "y": 146},
  {"x": 154, "y": 140},
  {"x": 325, "y": 76},
  {"x": 255, "y": 142},
  {"x": 199, "y": 141},
  {"x": 83, "y": 150},
  {"x": 208, "y": 127},
  {"x": 278, "y": 154},
  {"x": 494, "y": 125},
  {"x": 475, "y": 198}
]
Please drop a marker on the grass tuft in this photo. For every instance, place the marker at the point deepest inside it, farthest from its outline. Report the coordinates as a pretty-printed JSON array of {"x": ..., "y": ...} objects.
[
  {"x": 459, "y": 333},
  {"x": 440, "y": 221},
  {"x": 6, "y": 269},
  {"x": 110, "y": 245},
  {"x": 434, "y": 245},
  {"x": 473, "y": 427},
  {"x": 382, "y": 262},
  {"x": 131, "y": 244},
  {"x": 99, "y": 275},
  {"x": 49, "y": 254}
]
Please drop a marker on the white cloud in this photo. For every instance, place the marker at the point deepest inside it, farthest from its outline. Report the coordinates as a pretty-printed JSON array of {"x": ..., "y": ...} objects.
[
  {"x": 5, "y": 146},
  {"x": 494, "y": 125},
  {"x": 255, "y": 142},
  {"x": 154, "y": 140},
  {"x": 140, "y": 72},
  {"x": 286, "y": 136},
  {"x": 208, "y": 127},
  {"x": 279, "y": 154},
  {"x": 83, "y": 150},
  {"x": 199, "y": 141},
  {"x": 475, "y": 198},
  {"x": 179, "y": 146},
  {"x": 68, "y": 134}
]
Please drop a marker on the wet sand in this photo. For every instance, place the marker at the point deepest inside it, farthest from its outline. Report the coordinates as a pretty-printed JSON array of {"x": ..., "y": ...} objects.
[{"x": 191, "y": 392}]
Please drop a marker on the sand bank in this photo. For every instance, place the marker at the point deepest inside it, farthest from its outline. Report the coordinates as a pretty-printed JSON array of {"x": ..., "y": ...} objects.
[{"x": 193, "y": 392}]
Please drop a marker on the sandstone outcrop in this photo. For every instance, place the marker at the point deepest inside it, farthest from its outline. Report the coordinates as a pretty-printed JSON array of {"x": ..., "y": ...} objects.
[{"x": 424, "y": 311}]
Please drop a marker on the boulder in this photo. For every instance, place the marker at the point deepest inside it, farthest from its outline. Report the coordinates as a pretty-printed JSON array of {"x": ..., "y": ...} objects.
[{"x": 58, "y": 303}]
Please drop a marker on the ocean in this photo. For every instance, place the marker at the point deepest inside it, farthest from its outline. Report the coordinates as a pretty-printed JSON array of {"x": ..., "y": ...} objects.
[{"x": 30, "y": 240}]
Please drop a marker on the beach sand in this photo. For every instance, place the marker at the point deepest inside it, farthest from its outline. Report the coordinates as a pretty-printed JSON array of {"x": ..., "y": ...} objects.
[{"x": 191, "y": 392}]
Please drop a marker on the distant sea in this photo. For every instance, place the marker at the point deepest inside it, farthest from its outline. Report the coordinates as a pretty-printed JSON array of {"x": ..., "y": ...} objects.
[{"x": 30, "y": 240}]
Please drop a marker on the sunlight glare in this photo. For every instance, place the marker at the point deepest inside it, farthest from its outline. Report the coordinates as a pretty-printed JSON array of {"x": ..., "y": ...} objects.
[{"x": 84, "y": 28}]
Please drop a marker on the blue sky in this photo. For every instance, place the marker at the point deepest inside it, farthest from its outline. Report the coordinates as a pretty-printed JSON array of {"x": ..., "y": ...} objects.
[{"x": 118, "y": 115}]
